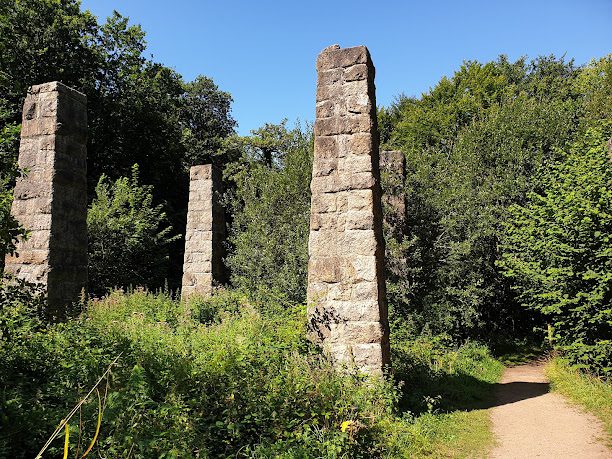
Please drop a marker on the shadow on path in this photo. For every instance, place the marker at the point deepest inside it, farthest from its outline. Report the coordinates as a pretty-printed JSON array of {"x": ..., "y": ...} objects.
[
  {"x": 516, "y": 391},
  {"x": 543, "y": 425},
  {"x": 445, "y": 393}
]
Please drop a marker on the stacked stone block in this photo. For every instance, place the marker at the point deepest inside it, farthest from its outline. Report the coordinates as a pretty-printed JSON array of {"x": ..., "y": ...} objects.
[
  {"x": 203, "y": 262},
  {"x": 346, "y": 284},
  {"x": 393, "y": 176},
  {"x": 51, "y": 200}
]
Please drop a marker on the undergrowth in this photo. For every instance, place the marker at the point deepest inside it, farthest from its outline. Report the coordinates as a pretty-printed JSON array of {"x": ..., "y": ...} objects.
[{"x": 225, "y": 377}]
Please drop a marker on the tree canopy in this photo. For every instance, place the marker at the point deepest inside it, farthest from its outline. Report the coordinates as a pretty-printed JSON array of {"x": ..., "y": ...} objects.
[{"x": 140, "y": 111}]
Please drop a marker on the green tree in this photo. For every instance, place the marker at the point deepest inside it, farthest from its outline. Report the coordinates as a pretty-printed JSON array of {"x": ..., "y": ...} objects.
[
  {"x": 557, "y": 250},
  {"x": 45, "y": 40},
  {"x": 135, "y": 114},
  {"x": 206, "y": 120},
  {"x": 472, "y": 144},
  {"x": 595, "y": 86},
  {"x": 129, "y": 236},
  {"x": 270, "y": 207},
  {"x": 139, "y": 111}
]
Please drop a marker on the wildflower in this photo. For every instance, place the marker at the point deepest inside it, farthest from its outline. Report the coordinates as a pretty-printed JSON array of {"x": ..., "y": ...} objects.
[{"x": 347, "y": 426}]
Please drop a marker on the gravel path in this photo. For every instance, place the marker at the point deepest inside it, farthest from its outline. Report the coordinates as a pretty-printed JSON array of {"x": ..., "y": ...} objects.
[{"x": 529, "y": 421}]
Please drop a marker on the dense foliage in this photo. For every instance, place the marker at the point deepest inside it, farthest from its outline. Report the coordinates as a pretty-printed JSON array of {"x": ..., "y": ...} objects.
[
  {"x": 270, "y": 203},
  {"x": 473, "y": 145},
  {"x": 128, "y": 236},
  {"x": 557, "y": 250},
  {"x": 216, "y": 379}
]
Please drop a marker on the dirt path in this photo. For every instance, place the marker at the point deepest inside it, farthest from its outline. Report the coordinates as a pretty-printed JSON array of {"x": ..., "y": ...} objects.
[{"x": 529, "y": 421}]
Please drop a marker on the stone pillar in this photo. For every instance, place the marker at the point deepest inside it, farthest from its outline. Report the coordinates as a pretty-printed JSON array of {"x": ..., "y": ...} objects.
[
  {"x": 393, "y": 176},
  {"x": 51, "y": 200},
  {"x": 203, "y": 262},
  {"x": 346, "y": 284}
]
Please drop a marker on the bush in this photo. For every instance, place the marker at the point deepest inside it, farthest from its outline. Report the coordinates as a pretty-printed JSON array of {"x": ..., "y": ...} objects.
[
  {"x": 221, "y": 377},
  {"x": 128, "y": 235},
  {"x": 557, "y": 251},
  {"x": 239, "y": 385},
  {"x": 22, "y": 306}
]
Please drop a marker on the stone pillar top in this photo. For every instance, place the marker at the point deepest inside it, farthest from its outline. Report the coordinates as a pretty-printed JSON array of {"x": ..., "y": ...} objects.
[
  {"x": 58, "y": 86},
  {"x": 203, "y": 172},
  {"x": 334, "y": 57}
]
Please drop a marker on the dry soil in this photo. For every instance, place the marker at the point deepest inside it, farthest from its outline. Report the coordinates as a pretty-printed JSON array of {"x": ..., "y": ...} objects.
[{"x": 529, "y": 421}]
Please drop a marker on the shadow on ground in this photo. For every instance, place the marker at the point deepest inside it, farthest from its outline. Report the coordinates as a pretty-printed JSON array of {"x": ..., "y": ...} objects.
[
  {"x": 517, "y": 391},
  {"x": 426, "y": 391}
]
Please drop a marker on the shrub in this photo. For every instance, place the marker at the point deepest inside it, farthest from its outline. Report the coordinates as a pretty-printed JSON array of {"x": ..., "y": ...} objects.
[
  {"x": 22, "y": 305},
  {"x": 213, "y": 309},
  {"x": 222, "y": 377},
  {"x": 270, "y": 207},
  {"x": 557, "y": 251},
  {"x": 239, "y": 385},
  {"x": 129, "y": 236}
]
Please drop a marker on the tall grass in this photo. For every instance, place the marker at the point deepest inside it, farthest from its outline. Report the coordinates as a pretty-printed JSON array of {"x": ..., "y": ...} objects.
[
  {"x": 225, "y": 377},
  {"x": 594, "y": 394}
]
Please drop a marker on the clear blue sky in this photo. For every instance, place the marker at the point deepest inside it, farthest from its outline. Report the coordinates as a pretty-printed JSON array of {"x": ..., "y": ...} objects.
[{"x": 263, "y": 52}]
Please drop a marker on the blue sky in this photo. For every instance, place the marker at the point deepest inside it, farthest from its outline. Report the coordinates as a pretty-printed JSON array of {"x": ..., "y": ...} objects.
[{"x": 263, "y": 52}]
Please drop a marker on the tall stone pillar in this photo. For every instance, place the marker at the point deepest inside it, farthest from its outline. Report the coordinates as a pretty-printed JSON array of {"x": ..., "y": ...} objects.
[
  {"x": 203, "y": 262},
  {"x": 393, "y": 176},
  {"x": 346, "y": 283},
  {"x": 51, "y": 200}
]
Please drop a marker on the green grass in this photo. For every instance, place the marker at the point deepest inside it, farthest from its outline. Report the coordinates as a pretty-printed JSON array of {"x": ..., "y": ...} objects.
[
  {"x": 518, "y": 352},
  {"x": 448, "y": 391},
  {"x": 456, "y": 434},
  {"x": 466, "y": 434},
  {"x": 594, "y": 394}
]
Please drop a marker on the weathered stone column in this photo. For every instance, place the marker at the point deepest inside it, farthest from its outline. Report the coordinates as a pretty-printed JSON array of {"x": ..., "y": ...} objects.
[
  {"x": 51, "y": 200},
  {"x": 393, "y": 176},
  {"x": 346, "y": 283},
  {"x": 203, "y": 263}
]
